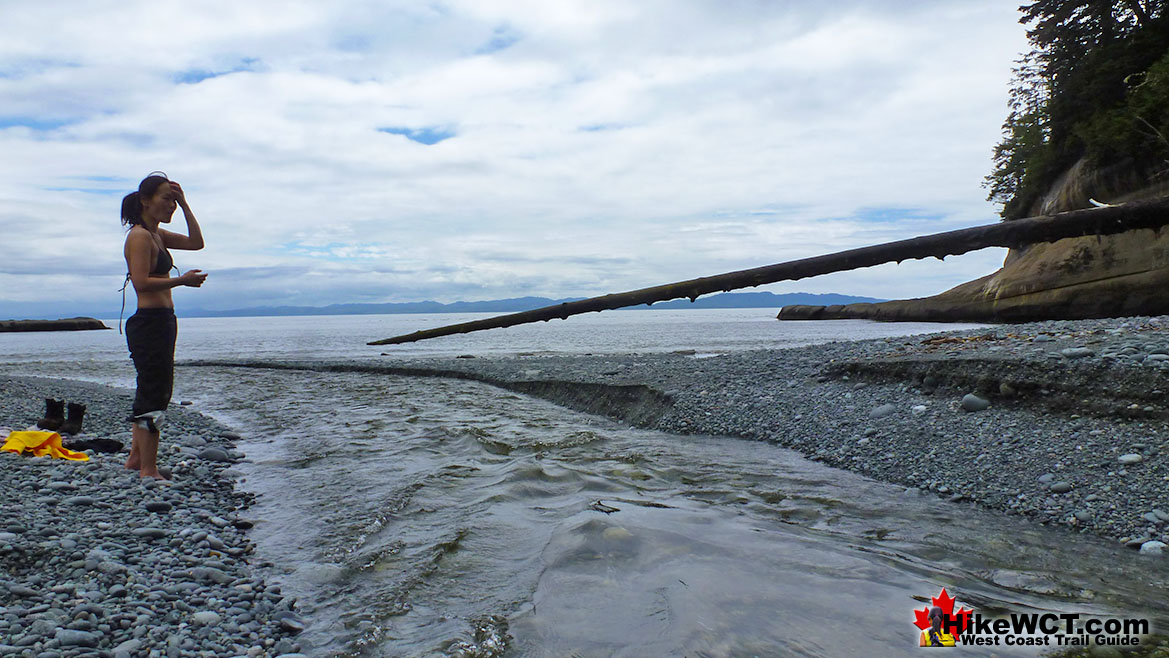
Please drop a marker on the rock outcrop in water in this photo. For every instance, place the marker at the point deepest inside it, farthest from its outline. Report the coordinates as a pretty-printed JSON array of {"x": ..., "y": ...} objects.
[
  {"x": 1075, "y": 278},
  {"x": 65, "y": 324}
]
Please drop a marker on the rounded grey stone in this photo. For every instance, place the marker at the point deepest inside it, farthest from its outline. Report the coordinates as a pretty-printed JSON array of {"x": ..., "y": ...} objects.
[
  {"x": 1061, "y": 487},
  {"x": 971, "y": 402},
  {"x": 110, "y": 568},
  {"x": 71, "y": 638},
  {"x": 292, "y": 624},
  {"x": 1152, "y": 547},
  {"x": 214, "y": 455},
  {"x": 205, "y": 618},
  {"x": 211, "y": 574},
  {"x": 127, "y": 649},
  {"x": 883, "y": 411}
]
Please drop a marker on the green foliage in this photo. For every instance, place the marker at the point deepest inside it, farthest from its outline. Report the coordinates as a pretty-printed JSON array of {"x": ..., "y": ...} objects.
[
  {"x": 1137, "y": 128},
  {"x": 1022, "y": 157},
  {"x": 1095, "y": 84}
]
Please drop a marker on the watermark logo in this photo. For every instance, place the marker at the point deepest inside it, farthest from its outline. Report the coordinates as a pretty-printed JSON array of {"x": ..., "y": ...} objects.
[{"x": 941, "y": 626}]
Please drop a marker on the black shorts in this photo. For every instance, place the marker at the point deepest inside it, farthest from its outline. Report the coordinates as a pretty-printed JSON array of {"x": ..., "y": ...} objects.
[{"x": 150, "y": 335}]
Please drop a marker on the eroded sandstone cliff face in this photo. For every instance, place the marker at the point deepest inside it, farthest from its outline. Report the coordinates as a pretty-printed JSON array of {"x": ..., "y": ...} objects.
[{"x": 1088, "y": 277}]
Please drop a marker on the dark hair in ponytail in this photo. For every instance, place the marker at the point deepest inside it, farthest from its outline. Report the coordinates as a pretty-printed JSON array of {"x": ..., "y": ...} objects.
[{"x": 132, "y": 202}]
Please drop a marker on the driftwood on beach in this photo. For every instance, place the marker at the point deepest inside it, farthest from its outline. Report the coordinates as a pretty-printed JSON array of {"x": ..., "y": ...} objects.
[{"x": 1014, "y": 234}]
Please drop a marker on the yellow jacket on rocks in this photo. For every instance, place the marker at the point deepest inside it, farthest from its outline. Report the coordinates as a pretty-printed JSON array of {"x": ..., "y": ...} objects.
[{"x": 41, "y": 444}]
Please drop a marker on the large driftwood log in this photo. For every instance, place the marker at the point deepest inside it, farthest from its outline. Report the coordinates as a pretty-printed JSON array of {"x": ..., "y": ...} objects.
[{"x": 1094, "y": 221}]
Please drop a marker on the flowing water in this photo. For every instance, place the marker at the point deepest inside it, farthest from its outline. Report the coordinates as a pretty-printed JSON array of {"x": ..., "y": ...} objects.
[{"x": 426, "y": 516}]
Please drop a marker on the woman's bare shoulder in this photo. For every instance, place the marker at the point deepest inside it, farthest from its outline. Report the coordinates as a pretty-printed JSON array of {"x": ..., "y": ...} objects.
[{"x": 138, "y": 234}]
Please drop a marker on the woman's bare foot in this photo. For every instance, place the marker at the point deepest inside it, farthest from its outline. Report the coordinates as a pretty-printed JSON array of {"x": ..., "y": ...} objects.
[
  {"x": 144, "y": 453},
  {"x": 158, "y": 474}
]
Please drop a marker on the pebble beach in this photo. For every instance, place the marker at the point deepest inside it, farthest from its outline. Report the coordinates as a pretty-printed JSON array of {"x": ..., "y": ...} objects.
[{"x": 95, "y": 561}]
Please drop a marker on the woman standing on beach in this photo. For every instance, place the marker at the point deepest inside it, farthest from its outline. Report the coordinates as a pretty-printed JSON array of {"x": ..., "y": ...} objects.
[{"x": 151, "y": 331}]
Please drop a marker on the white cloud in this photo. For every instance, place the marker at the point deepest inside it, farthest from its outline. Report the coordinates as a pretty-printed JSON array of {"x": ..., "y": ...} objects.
[{"x": 597, "y": 146}]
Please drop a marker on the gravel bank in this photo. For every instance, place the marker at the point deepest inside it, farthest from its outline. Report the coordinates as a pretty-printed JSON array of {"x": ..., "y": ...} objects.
[
  {"x": 1063, "y": 422},
  {"x": 96, "y": 562}
]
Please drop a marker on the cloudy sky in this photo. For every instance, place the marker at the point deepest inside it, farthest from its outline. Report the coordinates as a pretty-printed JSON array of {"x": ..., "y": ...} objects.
[{"x": 384, "y": 151}]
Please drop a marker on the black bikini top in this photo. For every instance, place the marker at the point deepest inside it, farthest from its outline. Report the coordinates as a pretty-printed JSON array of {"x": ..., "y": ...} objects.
[{"x": 164, "y": 263}]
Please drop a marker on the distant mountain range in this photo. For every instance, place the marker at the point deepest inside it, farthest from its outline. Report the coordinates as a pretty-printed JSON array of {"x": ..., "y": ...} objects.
[{"x": 515, "y": 305}]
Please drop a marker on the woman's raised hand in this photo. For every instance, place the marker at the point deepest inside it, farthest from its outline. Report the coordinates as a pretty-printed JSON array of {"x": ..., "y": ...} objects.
[{"x": 177, "y": 189}]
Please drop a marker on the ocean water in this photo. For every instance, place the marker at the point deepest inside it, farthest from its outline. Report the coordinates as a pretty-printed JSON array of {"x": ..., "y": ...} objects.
[
  {"x": 425, "y": 516},
  {"x": 345, "y": 336}
]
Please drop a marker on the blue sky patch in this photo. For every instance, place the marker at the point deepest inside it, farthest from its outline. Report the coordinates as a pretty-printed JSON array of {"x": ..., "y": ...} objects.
[
  {"x": 33, "y": 123},
  {"x": 17, "y": 69},
  {"x": 429, "y": 135},
  {"x": 87, "y": 190},
  {"x": 762, "y": 211},
  {"x": 337, "y": 252},
  {"x": 503, "y": 38},
  {"x": 195, "y": 76},
  {"x": 601, "y": 127},
  {"x": 891, "y": 215},
  {"x": 138, "y": 139},
  {"x": 353, "y": 43}
]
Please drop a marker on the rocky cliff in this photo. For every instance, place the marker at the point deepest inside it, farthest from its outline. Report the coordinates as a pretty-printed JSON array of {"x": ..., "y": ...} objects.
[{"x": 1074, "y": 278}]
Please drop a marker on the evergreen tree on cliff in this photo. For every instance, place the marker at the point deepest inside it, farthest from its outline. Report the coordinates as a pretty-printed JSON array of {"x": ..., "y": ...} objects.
[{"x": 1094, "y": 87}]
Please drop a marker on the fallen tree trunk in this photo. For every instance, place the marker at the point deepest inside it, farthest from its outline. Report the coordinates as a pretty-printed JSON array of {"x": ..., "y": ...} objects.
[{"x": 1014, "y": 234}]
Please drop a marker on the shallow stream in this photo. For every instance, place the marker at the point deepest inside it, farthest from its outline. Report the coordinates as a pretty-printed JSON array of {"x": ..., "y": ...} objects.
[{"x": 421, "y": 516}]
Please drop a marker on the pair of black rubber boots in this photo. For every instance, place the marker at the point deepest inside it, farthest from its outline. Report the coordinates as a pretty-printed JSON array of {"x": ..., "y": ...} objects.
[{"x": 55, "y": 420}]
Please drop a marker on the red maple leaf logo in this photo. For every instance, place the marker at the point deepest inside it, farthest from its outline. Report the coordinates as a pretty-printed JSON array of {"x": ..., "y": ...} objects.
[{"x": 946, "y": 603}]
